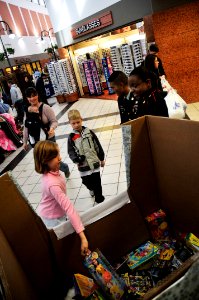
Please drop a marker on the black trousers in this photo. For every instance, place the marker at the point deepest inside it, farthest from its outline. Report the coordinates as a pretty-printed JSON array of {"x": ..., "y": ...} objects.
[
  {"x": 93, "y": 183},
  {"x": 19, "y": 105}
]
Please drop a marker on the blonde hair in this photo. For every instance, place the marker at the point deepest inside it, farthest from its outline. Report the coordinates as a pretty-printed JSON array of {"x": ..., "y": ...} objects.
[
  {"x": 44, "y": 151},
  {"x": 74, "y": 114}
]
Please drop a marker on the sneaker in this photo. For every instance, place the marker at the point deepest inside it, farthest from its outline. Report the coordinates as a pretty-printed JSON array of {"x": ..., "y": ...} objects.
[
  {"x": 92, "y": 193},
  {"x": 99, "y": 200}
]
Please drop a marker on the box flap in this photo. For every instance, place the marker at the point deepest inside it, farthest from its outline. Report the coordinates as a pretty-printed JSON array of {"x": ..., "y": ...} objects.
[
  {"x": 14, "y": 281},
  {"x": 175, "y": 148},
  {"x": 28, "y": 238},
  {"x": 143, "y": 186}
]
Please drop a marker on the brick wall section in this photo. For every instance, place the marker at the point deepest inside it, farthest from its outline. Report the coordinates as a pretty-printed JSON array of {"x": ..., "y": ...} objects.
[{"x": 176, "y": 33}]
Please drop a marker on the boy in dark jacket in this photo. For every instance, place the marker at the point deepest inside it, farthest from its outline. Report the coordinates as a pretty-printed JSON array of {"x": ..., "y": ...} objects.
[
  {"x": 119, "y": 83},
  {"x": 85, "y": 150}
]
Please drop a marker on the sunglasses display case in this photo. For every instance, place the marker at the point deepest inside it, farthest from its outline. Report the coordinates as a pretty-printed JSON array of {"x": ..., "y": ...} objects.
[
  {"x": 92, "y": 77},
  {"x": 62, "y": 77},
  {"x": 137, "y": 53},
  {"x": 106, "y": 63},
  {"x": 116, "y": 59},
  {"x": 127, "y": 58}
]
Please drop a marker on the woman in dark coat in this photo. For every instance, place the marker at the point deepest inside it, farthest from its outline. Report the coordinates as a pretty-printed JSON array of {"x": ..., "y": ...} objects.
[{"x": 151, "y": 63}]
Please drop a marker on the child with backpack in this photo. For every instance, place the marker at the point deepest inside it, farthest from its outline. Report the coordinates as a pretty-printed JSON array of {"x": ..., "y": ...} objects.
[
  {"x": 55, "y": 204},
  {"x": 85, "y": 150}
]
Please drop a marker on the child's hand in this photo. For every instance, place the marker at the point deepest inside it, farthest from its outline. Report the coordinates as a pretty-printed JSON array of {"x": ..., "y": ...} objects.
[
  {"x": 84, "y": 247},
  {"x": 84, "y": 244},
  {"x": 102, "y": 163}
]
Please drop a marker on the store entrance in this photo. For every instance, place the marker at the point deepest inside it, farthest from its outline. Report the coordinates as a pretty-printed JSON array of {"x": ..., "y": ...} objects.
[{"x": 94, "y": 60}]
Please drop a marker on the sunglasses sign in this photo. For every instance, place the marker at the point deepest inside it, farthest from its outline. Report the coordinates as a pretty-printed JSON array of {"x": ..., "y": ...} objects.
[{"x": 93, "y": 25}]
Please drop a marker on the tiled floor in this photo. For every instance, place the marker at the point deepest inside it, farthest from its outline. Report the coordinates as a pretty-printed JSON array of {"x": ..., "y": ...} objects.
[{"x": 101, "y": 116}]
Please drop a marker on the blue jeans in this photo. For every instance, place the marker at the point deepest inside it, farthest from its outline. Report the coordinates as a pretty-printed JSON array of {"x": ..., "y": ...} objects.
[{"x": 50, "y": 223}]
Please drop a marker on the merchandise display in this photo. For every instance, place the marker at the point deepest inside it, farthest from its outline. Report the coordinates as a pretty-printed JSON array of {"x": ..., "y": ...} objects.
[
  {"x": 137, "y": 53},
  {"x": 92, "y": 77},
  {"x": 62, "y": 77},
  {"x": 116, "y": 59},
  {"x": 107, "y": 72},
  {"x": 80, "y": 59},
  {"x": 127, "y": 59}
]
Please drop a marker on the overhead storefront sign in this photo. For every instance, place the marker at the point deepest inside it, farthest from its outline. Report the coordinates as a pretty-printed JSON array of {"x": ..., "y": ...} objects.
[
  {"x": 93, "y": 25},
  {"x": 22, "y": 60}
]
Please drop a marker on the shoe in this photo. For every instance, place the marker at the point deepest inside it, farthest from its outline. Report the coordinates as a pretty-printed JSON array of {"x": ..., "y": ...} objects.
[
  {"x": 100, "y": 200},
  {"x": 92, "y": 193}
]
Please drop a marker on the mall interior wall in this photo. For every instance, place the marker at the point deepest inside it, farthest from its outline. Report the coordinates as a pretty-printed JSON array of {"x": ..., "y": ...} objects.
[
  {"x": 26, "y": 20},
  {"x": 176, "y": 33}
]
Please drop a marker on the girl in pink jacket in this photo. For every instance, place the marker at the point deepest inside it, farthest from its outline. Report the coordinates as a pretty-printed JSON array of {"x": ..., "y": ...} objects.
[{"x": 55, "y": 205}]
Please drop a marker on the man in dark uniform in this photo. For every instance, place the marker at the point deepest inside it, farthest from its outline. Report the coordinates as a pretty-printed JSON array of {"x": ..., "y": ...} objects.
[{"x": 119, "y": 83}]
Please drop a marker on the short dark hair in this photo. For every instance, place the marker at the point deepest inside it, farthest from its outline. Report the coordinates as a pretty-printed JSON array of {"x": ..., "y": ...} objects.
[
  {"x": 154, "y": 48},
  {"x": 10, "y": 81},
  {"x": 31, "y": 91},
  {"x": 145, "y": 75},
  {"x": 117, "y": 77},
  {"x": 44, "y": 152}
]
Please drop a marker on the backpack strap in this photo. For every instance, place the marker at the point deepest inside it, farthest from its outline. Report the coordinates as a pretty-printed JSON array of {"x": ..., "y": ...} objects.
[
  {"x": 41, "y": 110},
  {"x": 45, "y": 127}
]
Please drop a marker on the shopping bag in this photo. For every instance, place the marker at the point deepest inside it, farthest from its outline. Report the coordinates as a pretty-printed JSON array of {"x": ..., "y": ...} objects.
[
  {"x": 165, "y": 84},
  {"x": 176, "y": 105}
]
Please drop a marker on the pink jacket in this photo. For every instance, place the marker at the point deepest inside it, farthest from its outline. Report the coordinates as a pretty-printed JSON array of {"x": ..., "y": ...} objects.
[
  {"x": 55, "y": 203},
  {"x": 5, "y": 142}
]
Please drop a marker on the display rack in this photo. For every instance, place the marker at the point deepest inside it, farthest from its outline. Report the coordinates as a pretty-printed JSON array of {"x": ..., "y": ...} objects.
[
  {"x": 144, "y": 47},
  {"x": 107, "y": 72},
  {"x": 116, "y": 59},
  {"x": 62, "y": 77},
  {"x": 137, "y": 53},
  {"x": 92, "y": 77},
  {"x": 53, "y": 78},
  {"x": 127, "y": 58}
]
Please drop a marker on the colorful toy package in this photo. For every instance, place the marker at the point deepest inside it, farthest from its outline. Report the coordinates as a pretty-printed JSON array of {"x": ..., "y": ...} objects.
[
  {"x": 192, "y": 241},
  {"x": 104, "y": 275},
  {"x": 138, "y": 284},
  {"x": 96, "y": 296},
  {"x": 142, "y": 255},
  {"x": 84, "y": 286},
  {"x": 158, "y": 225}
]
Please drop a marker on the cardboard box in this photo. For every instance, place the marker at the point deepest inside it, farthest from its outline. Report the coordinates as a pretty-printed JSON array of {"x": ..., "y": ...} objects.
[{"x": 164, "y": 172}]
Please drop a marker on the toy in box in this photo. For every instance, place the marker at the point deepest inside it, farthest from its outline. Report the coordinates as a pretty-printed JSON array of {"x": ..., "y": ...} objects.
[
  {"x": 104, "y": 275},
  {"x": 192, "y": 241},
  {"x": 142, "y": 255},
  {"x": 158, "y": 225},
  {"x": 84, "y": 286}
]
